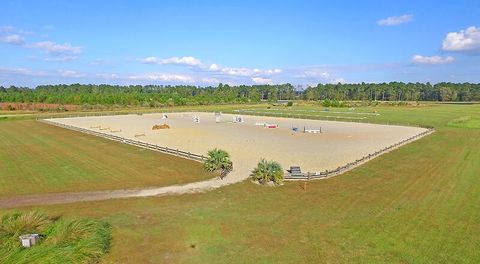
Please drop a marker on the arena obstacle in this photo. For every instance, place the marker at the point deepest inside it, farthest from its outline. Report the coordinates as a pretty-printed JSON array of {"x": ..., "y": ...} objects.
[
  {"x": 294, "y": 129},
  {"x": 164, "y": 116},
  {"x": 114, "y": 131},
  {"x": 266, "y": 125},
  {"x": 313, "y": 131},
  {"x": 94, "y": 126},
  {"x": 140, "y": 135},
  {"x": 196, "y": 119},
  {"x": 218, "y": 117},
  {"x": 104, "y": 128},
  {"x": 163, "y": 126},
  {"x": 271, "y": 125},
  {"x": 238, "y": 119}
]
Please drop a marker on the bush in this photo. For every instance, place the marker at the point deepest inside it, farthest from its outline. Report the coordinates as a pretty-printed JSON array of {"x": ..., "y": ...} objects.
[
  {"x": 268, "y": 171},
  {"x": 333, "y": 103},
  {"x": 290, "y": 103},
  {"x": 218, "y": 160},
  {"x": 62, "y": 240}
]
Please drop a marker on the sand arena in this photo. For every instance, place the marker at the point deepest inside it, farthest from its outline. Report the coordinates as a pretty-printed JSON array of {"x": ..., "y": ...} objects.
[{"x": 248, "y": 142}]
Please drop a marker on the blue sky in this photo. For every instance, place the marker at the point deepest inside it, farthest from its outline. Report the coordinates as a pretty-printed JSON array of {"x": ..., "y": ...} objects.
[{"x": 238, "y": 42}]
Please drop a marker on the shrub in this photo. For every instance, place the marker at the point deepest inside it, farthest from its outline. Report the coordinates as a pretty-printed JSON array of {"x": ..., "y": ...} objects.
[
  {"x": 218, "y": 160},
  {"x": 333, "y": 103},
  {"x": 62, "y": 240},
  {"x": 268, "y": 171}
]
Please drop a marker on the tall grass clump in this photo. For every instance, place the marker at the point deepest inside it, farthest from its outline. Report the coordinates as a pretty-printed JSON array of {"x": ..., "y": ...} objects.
[{"x": 62, "y": 240}]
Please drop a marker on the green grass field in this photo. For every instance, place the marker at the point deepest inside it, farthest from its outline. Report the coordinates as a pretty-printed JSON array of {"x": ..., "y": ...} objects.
[
  {"x": 38, "y": 158},
  {"x": 416, "y": 204}
]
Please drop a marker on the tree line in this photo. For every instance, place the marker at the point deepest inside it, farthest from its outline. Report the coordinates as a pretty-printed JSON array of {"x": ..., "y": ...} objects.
[{"x": 160, "y": 95}]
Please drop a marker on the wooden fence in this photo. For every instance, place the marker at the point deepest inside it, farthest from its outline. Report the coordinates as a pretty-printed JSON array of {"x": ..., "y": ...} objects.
[
  {"x": 201, "y": 158},
  {"x": 351, "y": 165},
  {"x": 166, "y": 150}
]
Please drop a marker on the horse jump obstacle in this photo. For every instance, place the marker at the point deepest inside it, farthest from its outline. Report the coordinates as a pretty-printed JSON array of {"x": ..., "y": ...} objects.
[
  {"x": 238, "y": 119},
  {"x": 114, "y": 131},
  {"x": 266, "y": 125},
  {"x": 140, "y": 135},
  {"x": 313, "y": 131},
  {"x": 196, "y": 119},
  {"x": 104, "y": 128},
  {"x": 218, "y": 118}
]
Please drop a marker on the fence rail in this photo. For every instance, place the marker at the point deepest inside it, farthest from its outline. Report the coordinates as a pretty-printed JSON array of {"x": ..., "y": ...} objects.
[
  {"x": 166, "y": 150},
  {"x": 201, "y": 158},
  {"x": 351, "y": 165}
]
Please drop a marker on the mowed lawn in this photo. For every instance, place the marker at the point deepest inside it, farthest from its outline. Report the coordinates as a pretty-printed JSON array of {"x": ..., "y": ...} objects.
[
  {"x": 37, "y": 158},
  {"x": 416, "y": 204}
]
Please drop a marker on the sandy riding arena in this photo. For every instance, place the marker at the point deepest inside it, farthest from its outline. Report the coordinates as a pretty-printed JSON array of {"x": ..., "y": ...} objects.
[{"x": 250, "y": 138}]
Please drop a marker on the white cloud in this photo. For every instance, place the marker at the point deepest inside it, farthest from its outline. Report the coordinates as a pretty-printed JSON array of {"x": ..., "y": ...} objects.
[
  {"x": 162, "y": 77},
  {"x": 22, "y": 71},
  {"x": 210, "y": 80},
  {"x": 260, "y": 80},
  {"x": 433, "y": 60},
  {"x": 314, "y": 74},
  {"x": 149, "y": 60},
  {"x": 55, "y": 49},
  {"x": 319, "y": 75},
  {"x": 338, "y": 80},
  {"x": 6, "y": 29},
  {"x": 215, "y": 68},
  {"x": 14, "y": 39},
  {"x": 464, "y": 40},
  {"x": 395, "y": 20},
  {"x": 187, "y": 60},
  {"x": 246, "y": 72},
  {"x": 70, "y": 74},
  {"x": 61, "y": 59},
  {"x": 108, "y": 75}
]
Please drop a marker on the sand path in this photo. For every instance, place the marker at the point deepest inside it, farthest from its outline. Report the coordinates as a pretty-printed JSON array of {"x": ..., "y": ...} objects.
[{"x": 62, "y": 198}]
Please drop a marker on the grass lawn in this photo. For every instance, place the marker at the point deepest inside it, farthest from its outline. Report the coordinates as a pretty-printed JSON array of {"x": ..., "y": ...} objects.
[
  {"x": 416, "y": 204},
  {"x": 38, "y": 158}
]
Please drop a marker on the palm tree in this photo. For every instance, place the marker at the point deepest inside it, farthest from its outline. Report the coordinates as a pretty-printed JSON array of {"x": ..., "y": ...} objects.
[
  {"x": 218, "y": 160},
  {"x": 267, "y": 171}
]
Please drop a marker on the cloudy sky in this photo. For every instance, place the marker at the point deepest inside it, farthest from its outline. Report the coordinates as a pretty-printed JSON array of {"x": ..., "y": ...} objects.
[{"x": 238, "y": 42}]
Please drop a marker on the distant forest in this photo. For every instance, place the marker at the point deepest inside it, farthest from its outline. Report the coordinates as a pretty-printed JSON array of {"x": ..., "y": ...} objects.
[{"x": 158, "y": 95}]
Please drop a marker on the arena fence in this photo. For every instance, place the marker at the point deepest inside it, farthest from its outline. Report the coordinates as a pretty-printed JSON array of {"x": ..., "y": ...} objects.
[
  {"x": 351, "y": 165},
  {"x": 307, "y": 115},
  {"x": 201, "y": 158},
  {"x": 166, "y": 150}
]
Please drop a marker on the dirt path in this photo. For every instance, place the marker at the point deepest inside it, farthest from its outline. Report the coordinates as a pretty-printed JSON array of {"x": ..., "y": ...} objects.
[{"x": 62, "y": 198}]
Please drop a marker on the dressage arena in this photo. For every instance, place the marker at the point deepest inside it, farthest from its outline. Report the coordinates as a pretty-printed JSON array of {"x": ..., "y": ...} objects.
[{"x": 314, "y": 145}]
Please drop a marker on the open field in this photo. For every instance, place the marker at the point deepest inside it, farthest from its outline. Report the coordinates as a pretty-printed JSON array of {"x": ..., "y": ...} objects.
[
  {"x": 38, "y": 158},
  {"x": 416, "y": 204},
  {"x": 338, "y": 144}
]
